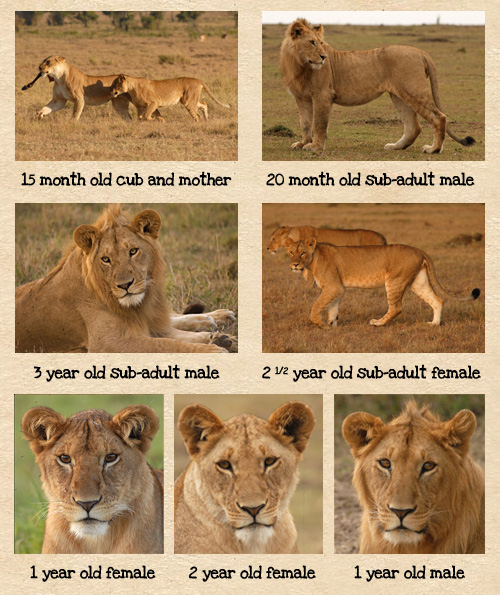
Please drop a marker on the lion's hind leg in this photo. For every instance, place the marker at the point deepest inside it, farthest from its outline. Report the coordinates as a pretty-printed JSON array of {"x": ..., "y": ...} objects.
[
  {"x": 423, "y": 288},
  {"x": 204, "y": 109},
  {"x": 395, "y": 291},
  {"x": 426, "y": 108},
  {"x": 412, "y": 127}
]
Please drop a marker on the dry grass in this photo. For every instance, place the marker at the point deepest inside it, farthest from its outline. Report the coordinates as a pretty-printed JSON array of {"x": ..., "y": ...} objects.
[
  {"x": 306, "y": 505},
  {"x": 199, "y": 242},
  {"x": 100, "y": 134},
  {"x": 347, "y": 509},
  {"x": 360, "y": 133},
  {"x": 435, "y": 228}
]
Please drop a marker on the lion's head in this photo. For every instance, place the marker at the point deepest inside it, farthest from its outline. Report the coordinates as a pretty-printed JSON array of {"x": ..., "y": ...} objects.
[
  {"x": 246, "y": 468},
  {"x": 301, "y": 253},
  {"x": 414, "y": 477},
  {"x": 51, "y": 67},
  {"x": 278, "y": 238},
  {"x": 304, "y": 43},
  {"x": 93, "y": 466},
  {"x": 119, "y": 85}
]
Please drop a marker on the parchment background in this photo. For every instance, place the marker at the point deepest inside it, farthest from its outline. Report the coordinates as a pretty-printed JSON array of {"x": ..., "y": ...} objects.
[{"x": 242, "y": 373}]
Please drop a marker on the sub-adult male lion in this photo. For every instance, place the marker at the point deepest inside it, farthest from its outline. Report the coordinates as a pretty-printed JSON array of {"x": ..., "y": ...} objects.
[
  {"x": 319, "y": 76},
  {"x": 419, "y": 487},
  {"x": 233, "y": 497},
  {"x": 107, "y": 295},
  {"x": 147, "y": 95},
  {"x": 103, "y": 496},
  {"x": 71, "y": 84},
  {"x": 396, "y": 266}
]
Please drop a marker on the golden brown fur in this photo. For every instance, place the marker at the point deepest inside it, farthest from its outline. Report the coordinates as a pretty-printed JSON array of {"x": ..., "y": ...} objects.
[
  {"x": 419, "y": 487},
  {"x": 319, "y": 76},
  {"x": 103, "y": 496},
  {"x": 107, "y": 295},
  {"x": 396, "y": 266},
  {"x": 147, "y": 95},
  {"x": 233, "y": 497}
]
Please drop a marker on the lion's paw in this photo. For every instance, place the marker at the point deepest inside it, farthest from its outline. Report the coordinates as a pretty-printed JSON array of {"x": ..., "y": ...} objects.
[
  {"x": 223, "y": 318},
  {"x": 390, "y": 146},
  {"x": 312, "y": 147},
  {"x": 431, "y": 149},
  {"x": 298, "y": 145},
  {"x": 228, "y": 342},
  {"x": 375, "y": 322}
]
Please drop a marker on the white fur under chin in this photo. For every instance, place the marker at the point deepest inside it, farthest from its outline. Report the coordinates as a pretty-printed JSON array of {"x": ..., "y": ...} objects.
[
  {"x": 400, "y": 537},
  {"x": 315, "y": 66},
  {"x": 86, "y": 530},
  {"x": 254, "y": 538},
  {"x": 131, "y": 300}
]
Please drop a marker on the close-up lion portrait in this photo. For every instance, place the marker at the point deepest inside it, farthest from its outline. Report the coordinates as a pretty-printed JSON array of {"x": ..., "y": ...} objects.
[
  {"x": 420, "y": 489},
  {"x": 234, "y": 495},
  {"x": 107, "y": 292},
  {"x": 103, "y": 496}
]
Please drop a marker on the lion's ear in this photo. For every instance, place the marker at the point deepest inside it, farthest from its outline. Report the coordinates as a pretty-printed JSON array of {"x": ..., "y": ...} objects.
[
  {"x": 359, "y": 429},
  {"x": 297, "y": 29},
  {"x": 136, "y": 425},
  {"x": 458, "y": 431},
  {"x": 198, "y": 425},
  {"x": 42, "y": 425},
  {"x": 147, "y": 222},
  {"x": 86, "y": 236},
  {"x": 310, "y": 244},
  {"x": 318, "y": 29},
  {"x": 294, "y": 420}
]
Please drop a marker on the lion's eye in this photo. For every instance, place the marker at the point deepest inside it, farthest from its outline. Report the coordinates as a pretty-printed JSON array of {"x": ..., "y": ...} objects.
[
  {"x": 428, "y": 466},
  {"x": 105, "y": 259},
  {"x": 313, "y": 42},
  {"x": 133, "y": 251},
  {"x": 385, "y": 463},
  {"x": 224, "y": 465},
  {"x": 66, "y": 459},
  {"x": 269, "y": 461},
  {"x": 110, "y": 458}
]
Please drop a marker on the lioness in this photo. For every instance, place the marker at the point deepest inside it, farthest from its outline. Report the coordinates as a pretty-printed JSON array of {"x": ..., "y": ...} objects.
[
  {"x": 103, "y": 496},
  {"x": 396, "y": 266},
  {"x": 147, "y": 95},
  {"x": 319, "y": 76},
  {"x": 420, "y": 489},
  {"x": 107, "y": 295},
  {"x": 233, "y": 497}
]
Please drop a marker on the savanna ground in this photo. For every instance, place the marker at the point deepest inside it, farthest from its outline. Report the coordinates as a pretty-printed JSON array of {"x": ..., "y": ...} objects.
[
  {"x": 30, "y": 503},
  {"x": 452, "y": 235},
  {"x": 360, "y": 133},
  {"x": 199, "y": 243},
  {"x": 306, "y": 504},
  {"x": 174, "y": 50},
  {"x": 347, "y": 509}
]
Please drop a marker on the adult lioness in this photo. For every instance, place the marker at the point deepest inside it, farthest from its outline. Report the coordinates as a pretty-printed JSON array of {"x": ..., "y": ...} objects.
[
  {"x": 319, "y": 76},
  {"x": 420, "y": 489},
  {"x": 107, "y": 295},
  {"x": 233, "y": 497},
  {"x": 147, "y": 95},
  {"x": 103, "y": 496},
  {"x": 338, "y": 237},
  {"x": 396, "y": 266}
]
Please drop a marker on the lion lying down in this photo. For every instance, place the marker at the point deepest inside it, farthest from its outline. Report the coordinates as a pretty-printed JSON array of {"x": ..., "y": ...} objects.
[{"x": 107, "y": 295}]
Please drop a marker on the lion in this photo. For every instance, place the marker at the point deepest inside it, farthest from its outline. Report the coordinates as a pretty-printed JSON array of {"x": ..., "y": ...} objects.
[
  {"x": 420, "y": 489},
  {"x": 319, "y": 76},
  {"x": 103, "y": 496},
  {"x": 233, "y": 496},
  {"x": 147, "y": 95},
  {"x": 396, "y": 266},
  {"x": 107, "y": 295}
]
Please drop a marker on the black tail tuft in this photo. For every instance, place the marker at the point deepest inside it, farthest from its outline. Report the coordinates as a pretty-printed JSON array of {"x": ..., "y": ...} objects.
[
  {"x": 467, "y": 141},
  {"x": 194, "y": 309},
  {"x": 476, "y": 293}
]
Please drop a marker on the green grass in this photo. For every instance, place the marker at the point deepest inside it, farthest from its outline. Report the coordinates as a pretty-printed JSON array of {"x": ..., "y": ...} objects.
[
  {"x": 30, "y": 505},
  {"x": 360, "y": 133}
]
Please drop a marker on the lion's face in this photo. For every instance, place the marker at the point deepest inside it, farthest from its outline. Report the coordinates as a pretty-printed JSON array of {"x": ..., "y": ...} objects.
[
  {"x": 406, "y": 471},
  {"x": 52, "y": 66},
  {"x": 121, "y": 256},
  {"x": 246, "y": 467},
  {"x": 91, "y": 463},
  {"x": 301, "y": 253},
  {"x": 277, "y": 239},
  {"x": 307, "y": 44},
  {"x": 119, "y": 86}
]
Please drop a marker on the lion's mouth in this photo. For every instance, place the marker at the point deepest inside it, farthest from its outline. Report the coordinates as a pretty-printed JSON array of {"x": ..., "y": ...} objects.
[{"x": 403, "y": 528}]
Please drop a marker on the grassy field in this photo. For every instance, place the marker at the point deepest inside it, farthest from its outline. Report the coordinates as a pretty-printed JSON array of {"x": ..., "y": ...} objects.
[
  {"x": 199, "y": 242},
  {"x": 101, "y": 135},
  {"x": 307, "y": 503},
  {"x": 360, "y": 133},
  {"x": 447, "y": 232},
  {"x": 347, "y": 509},
  {"x": 30, "y": 506}
]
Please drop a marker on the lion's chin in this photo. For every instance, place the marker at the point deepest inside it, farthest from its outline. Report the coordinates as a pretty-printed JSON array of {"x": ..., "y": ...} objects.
[
  {"x": 315, "y": 65},
  {"x": 90, "y": 529},
  {"x": 255, "y": 536},
  {"x": 398, "y": 537},
  {"x": 131, "y": 300}
]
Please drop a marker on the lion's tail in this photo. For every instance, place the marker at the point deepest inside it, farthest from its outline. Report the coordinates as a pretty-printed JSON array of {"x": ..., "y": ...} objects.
[
  {"x": 211, "y": 95},
  {"x": 432, "y": 72},
  {"x": 437, "y": 285}
]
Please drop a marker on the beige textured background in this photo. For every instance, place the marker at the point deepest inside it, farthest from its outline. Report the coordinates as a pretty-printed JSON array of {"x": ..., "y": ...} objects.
[{"x": 242, "y": 373}]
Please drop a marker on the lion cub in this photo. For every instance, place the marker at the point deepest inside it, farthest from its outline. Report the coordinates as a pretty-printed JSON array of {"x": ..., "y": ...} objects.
[
  {"x": 147, "y": 95},
  {"x": 396, "y": 266}
]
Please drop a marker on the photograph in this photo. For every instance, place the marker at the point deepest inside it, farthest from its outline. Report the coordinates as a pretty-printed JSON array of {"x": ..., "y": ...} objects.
[
  {"x": 110, "y": 81},
  {"x": 88, "y": 474},
  {"x": 322, "y": 73},
  {"x": 237, "y": 467},
  {"x": 159, "y": 278},
  {"x": 409, "y": 474},
  {"x": 356, "y": 262}
]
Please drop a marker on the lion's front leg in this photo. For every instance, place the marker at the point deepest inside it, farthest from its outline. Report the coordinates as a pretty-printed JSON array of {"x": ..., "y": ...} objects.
[
  {"x": 228, "y": 342},
  {"x": 321, "y": 116},
  {"x": 78, "y": 107},
  {"x": 150, "y": 109},
  {"x": 329, "y": 298},
  {"x": 305, "y": 107},
  {"x": 52, "y": 106}
]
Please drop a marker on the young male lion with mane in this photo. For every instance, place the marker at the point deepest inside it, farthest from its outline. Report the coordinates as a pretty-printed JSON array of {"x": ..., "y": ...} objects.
[
  {"x": 420, "y": 489},
  {"x": 319, "y": 76}
]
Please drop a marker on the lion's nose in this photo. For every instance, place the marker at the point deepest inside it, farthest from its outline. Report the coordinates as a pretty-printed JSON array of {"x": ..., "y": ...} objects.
[
  {"x": 323, "y": 57},
  {"x": 125, "y": 286},
  {"x": 253, "y": 511},
  {"x": 401, "y": 513},
  {"x": 87, "y": 505}
]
